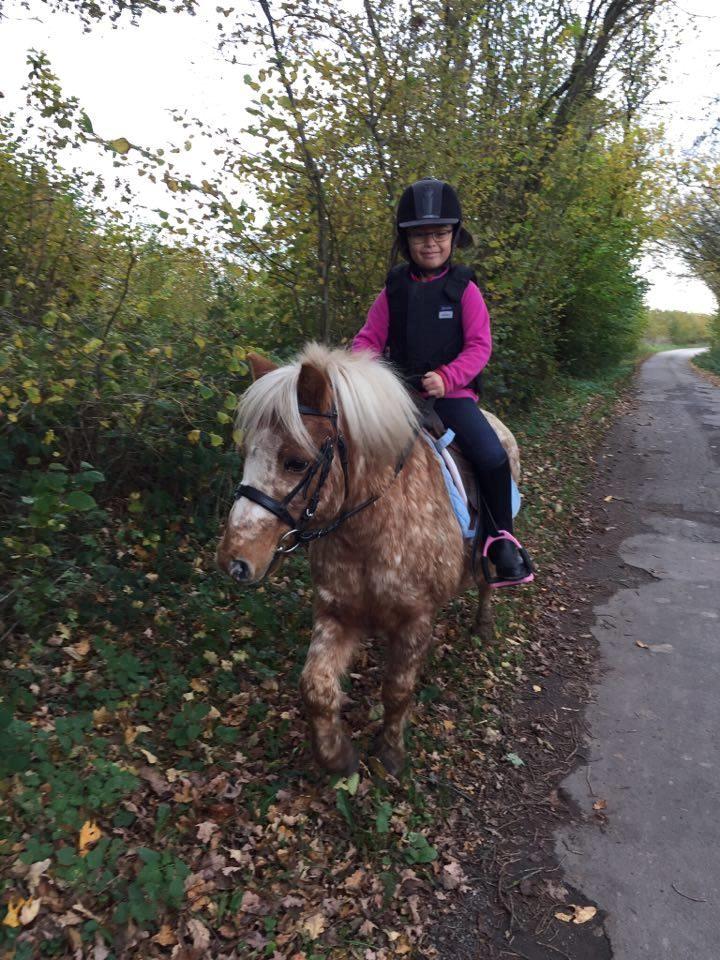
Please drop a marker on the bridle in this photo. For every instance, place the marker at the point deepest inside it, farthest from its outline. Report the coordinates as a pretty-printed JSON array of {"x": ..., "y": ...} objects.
[{"x": 319, "y": 468}]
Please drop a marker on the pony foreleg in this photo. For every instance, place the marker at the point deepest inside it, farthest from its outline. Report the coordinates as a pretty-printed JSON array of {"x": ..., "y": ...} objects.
[
  {"x": 330, "y": 653},
  {"x": 405, "y": 658}
]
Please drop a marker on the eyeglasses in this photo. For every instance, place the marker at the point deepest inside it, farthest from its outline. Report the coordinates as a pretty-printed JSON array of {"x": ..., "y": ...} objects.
[{"x": 437, "y": 235}]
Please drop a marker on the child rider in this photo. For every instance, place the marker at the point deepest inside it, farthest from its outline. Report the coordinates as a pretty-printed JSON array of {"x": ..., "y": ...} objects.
[{"x": 431, "y": 322}]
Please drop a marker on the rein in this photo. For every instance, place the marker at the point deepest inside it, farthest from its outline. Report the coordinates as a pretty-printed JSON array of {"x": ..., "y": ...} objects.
[{"x": 321, "y": 467}]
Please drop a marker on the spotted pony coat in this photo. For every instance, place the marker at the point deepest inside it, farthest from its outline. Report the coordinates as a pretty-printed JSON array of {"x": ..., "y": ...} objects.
[{"x": 384, "y": 573}]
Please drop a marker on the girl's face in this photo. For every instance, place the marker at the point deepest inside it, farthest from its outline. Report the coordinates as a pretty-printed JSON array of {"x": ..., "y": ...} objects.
[{"x": 430, "y": 246}]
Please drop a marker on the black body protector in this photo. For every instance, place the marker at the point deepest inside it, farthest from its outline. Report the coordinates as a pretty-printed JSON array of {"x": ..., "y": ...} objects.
[{"x": 426, "y": 328}]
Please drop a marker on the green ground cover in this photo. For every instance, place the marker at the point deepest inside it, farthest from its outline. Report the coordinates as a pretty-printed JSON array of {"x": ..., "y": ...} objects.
[
  {"x": 156, "y": 782},
  {"x": 709, "y": 361}
]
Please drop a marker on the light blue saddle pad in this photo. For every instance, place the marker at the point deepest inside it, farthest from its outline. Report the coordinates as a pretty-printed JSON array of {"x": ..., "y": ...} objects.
[{"x": 461, "y": 511}]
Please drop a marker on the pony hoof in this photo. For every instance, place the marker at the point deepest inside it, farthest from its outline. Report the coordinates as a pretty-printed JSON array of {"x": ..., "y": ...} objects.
[
  {"x": 391, "y": 758},
  {"x": 345, "y": 762}
]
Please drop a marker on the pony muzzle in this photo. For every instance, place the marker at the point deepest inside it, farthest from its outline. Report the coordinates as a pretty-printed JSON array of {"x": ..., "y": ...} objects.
[{"x": 240, "y": 571}]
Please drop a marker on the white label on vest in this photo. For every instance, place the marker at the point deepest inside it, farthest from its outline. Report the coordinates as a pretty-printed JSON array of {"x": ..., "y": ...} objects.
[{"x": 446, "y": 313}]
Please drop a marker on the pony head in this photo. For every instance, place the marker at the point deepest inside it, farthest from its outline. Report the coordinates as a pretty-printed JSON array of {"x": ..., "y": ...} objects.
[{"x": 289, "y": 450}]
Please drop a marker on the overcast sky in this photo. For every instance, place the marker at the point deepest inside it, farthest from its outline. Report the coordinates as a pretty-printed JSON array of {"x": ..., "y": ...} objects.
[{"x": 128, "y": 78}]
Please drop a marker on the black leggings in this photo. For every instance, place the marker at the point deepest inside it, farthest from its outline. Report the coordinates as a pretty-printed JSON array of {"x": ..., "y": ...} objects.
[{"x": 479, "y": 443}]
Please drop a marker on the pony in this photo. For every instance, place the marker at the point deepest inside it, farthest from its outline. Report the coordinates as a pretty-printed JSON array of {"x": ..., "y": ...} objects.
[{"x": 333, "y": 459}]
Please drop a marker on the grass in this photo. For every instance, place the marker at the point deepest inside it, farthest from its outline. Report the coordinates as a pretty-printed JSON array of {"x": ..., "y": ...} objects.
[{"x": 709, "y": 361}]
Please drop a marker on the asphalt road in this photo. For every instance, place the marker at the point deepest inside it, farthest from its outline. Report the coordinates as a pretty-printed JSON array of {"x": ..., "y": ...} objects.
[{"x": 651, "y": 858}]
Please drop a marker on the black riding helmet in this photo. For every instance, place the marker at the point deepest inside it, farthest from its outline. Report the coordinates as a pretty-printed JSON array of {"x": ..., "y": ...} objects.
[{"x": 426, "y": 203}]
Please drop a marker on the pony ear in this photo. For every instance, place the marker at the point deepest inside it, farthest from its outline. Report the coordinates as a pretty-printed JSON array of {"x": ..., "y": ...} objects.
[
  {"x": 259, "y": 366},
  {"x": 313, "y": 388}
]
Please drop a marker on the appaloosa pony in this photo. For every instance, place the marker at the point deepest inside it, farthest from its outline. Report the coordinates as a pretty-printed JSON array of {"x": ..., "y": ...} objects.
[{"x": 333, "y": 459}]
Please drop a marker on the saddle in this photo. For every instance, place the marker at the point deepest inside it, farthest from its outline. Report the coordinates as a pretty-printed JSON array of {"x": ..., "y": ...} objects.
[{"x": 458, "y": 471}]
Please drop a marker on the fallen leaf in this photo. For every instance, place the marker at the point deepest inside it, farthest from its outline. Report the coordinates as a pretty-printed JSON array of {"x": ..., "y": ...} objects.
[
  {"x": 639, "y": 643},
  {"x": 101, "y": 716},
  {"x": 157, "y": 782},
  {"x": 150, "y": 757},
  {"x": 29, "y": 911},
  {"x": 290, "y": 901},
  {"x": 90, "y": 833},
  {"x": 579, "y": 914},
  {"x": 491, "y": 735},
  {"x": 12, "y": 917},
  {"x": 313, "y": 926},
  {"x": 583, "y": 914},
  {"x": 600, "y": 805},
  {"x": 452, "y": 875},
  {"x": 35, "y": 871},
  {"x": 251, "y": 903},
  {"x": 355, "y": 881},
  {"x": 184, "y": 795},
  {"x": 100, "y": 951},
  {"x": 82, "y": 648},
  {"x": 129, "y": 735},
  {"x": 205, "y": 830},
  {"x": 200, "y": 935},
  {"x": 69, "y": 919},
  {"x": 165, "y": 937}
]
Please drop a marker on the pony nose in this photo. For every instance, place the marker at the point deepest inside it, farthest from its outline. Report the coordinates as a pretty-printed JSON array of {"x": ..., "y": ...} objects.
[{"x": 240, "y": 570}]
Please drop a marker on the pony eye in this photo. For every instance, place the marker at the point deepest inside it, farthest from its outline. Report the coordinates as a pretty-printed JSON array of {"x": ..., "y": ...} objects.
[{"x": 296, "y": 466}]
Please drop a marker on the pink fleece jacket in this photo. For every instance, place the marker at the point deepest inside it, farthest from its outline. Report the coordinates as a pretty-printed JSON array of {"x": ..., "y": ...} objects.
[{"x": 466, "y": 365}]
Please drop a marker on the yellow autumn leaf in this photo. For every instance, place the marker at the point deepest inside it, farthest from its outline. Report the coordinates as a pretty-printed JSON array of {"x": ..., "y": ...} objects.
[
  {"x": 583, "y": 914},
  {"x": 579, "y": 914},
  {"x": 90, "y": 833},
  {"x": 12, "y": 917},
  {"x": 194, "y": 436},
  {"x": 200, "y": 341}
]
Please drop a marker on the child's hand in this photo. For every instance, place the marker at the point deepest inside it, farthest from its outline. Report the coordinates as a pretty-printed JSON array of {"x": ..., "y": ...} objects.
[{"x": 434, "y": 384}]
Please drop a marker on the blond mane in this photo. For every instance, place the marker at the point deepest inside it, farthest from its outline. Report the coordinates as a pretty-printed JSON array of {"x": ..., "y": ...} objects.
[{"x": 375, "y": 411}]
